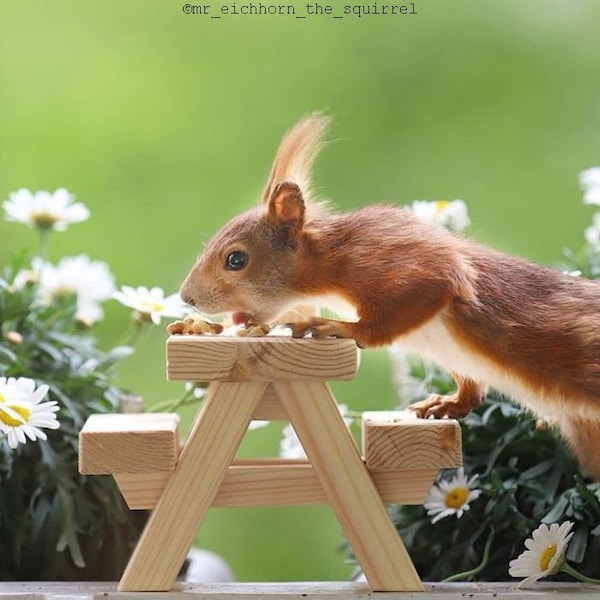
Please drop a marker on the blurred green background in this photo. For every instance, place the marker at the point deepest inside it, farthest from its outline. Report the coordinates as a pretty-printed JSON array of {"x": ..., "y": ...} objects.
[{"x": 165, "y": 125}]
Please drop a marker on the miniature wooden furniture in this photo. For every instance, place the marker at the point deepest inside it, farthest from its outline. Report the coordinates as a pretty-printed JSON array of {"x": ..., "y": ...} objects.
[{"x": 270, "y": 378}]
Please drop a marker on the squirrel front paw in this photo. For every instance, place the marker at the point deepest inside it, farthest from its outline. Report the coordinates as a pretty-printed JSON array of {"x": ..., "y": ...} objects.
[{"x": 319, "y": 327}]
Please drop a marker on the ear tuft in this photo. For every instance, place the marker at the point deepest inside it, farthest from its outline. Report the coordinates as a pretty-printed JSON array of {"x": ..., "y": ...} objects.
[{"x": 296, "y": 154}]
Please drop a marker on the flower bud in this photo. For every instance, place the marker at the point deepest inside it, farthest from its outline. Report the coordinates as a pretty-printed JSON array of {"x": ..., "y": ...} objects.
[{"x": 14, "y": 338}]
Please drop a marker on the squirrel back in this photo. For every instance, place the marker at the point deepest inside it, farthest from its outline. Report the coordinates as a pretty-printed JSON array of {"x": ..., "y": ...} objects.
[{"x": 487, "y": 317}]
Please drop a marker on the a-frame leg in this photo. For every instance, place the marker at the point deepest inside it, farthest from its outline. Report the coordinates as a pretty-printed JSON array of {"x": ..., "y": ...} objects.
[
  {"x": 209, "y": 449},
  {"x": 350, "y": 490}
]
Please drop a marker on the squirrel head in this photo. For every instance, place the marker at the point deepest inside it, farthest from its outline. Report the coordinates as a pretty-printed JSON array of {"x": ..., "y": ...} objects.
[{"x": 249, "y": 266}]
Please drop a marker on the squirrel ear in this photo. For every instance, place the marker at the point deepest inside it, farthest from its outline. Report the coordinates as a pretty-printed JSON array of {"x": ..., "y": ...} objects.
[{"x": 285, "y": 207}]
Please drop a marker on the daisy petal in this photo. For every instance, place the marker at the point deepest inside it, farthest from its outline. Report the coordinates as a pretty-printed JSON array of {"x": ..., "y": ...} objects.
[{"x": 22, "y": 412}]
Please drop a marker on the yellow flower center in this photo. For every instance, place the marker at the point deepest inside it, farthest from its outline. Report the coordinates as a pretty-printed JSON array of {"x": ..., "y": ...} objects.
[
  {"x": 456, "y": 497},
  {"x": 44, "y": 220},
  {"x": 9, "y": 419},
  {"x": 64, "y": 291},
  {"x": 147, "y": 305},
  {"x": 546, "y": 556},
  {"x": 441, "y": 205}
]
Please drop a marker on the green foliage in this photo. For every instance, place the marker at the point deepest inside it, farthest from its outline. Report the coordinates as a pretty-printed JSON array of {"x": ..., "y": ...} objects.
[
  {"x": 586, "y": 261},
  {"x": 55, "y": 523},
  {"x": 526, "y": 476}
]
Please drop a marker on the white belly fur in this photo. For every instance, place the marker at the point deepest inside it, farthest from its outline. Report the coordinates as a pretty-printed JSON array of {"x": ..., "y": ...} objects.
[{"x": 433, "y": 341}]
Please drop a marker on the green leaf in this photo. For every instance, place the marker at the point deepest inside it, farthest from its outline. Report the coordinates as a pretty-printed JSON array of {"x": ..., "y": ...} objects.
[
  {"x": 68, "y": 536},
  {"x": 537, "y": 470},
  {"x": 116, "y": 355},
  {"x": 578, "y": 544},
  {"x": 588, "y": 496},
  {"x": 8, "y": 354},
  {"x": 51, "y": 351},
  {"x": 557, "y": 512}
]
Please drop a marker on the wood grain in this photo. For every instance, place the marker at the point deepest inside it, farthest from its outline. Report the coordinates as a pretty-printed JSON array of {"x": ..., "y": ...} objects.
[
  {"x": 129, "y": 443},
  {"x": 276, "y": 483},
  {"x": 225, "y": 358},
  {"x": 391, "y": 442},
  {"x": 270, "y": 407},
  {"x": 191, "y": 488},
  {"x": 348, "y": 486}
]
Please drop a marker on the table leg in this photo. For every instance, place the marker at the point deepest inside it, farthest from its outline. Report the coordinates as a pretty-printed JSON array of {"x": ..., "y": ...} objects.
[
  {"x": 350, "y": 490},
  {"x": 209, "y": 449}
]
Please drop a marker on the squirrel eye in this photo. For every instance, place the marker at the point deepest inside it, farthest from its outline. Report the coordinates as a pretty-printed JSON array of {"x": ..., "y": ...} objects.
[{"x": 236, "y": 260}]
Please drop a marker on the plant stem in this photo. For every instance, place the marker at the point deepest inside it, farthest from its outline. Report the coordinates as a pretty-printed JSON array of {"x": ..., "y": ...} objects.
[
  {"x": 173, "y": 405},
  {"x": 44, "y": 244},
  {"x": 484, "y": 561},
  {"x": 353, "y": 414},
  {"x": 567, "y": 568},
  {"x": 133, "y": 333}
]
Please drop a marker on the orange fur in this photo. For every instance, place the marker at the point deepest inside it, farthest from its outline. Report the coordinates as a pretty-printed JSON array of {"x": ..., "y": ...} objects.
[{"x": 489, "y": 318}]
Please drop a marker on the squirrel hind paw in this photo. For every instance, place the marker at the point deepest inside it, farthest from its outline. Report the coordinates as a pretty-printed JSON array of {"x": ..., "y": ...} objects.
[{"x": 436, "y": 406}]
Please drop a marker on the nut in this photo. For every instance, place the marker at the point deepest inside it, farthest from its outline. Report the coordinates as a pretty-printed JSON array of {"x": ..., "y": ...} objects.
[
  {"x": 193, "y": 326},
  {"x": 176, "y": 328},
  {"x": 254, "y": 330}
]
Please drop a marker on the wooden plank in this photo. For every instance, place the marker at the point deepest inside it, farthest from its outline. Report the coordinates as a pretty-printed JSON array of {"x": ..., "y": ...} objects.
[
  {"x": 348, "y": 486},
  {"x": 209, "y": 449},
  {"x": 277, "y": 482},
  {"x": 270, "y": 407},
  {"x": 142, "y": 491},
  {"x": 404, "y": 487},
  {"x": 391, "y": 441},
  {"x": 309, "y": 590},
  {"x": 228, "y": 358},
  {"x": 270, "y": 485},
  {"x": 298, "y": 485},
  {"x": 129, "y": 443}
]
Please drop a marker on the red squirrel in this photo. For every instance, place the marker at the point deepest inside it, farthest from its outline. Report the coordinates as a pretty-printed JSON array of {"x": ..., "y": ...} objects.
[{"x": 490, "y": 319}]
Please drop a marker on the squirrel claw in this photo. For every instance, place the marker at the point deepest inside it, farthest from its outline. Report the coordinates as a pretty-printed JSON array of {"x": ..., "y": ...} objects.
[
  {"x": 298, "y": 331},
  {"x": 436, "y": 406},
  {"x": 318, "y": 328}
]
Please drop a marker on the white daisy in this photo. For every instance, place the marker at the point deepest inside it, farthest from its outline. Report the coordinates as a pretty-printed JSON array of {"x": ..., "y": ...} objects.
[
  {"x": 290, "y": 446},
  {"x": 91, "y": 281},
  {"x": 589, "y": 180},
  {"x": 24, "y": 278},
  {"x": 198, "y": 391},
  {"x": 545, "y": 553},
  {"x": 450, "y": 214},
  {"x": 592, "y": 233},
  {"x": 44, "y": 210},
  {"x": 151, "y": 303},
  {"x": 22, "y": 412},
  {"x": 451, "y": 496}
]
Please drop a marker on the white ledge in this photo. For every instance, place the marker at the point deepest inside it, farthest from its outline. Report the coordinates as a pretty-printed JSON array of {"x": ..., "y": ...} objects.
[{"x": 289, "y": 591}]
